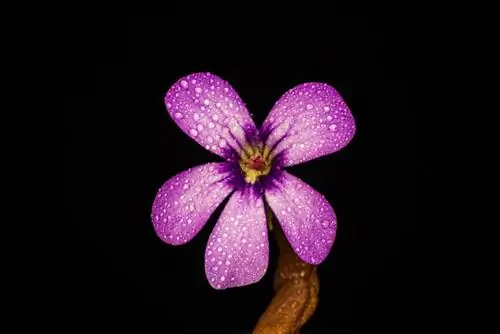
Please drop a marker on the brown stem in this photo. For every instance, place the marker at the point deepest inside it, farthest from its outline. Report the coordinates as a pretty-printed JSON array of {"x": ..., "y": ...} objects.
[{"x": 296, "y": 286}]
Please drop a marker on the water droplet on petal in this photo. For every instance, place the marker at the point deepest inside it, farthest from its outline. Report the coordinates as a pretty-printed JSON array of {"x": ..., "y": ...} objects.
[
  {"x": 196, "y": 116},
  {"x": 328, "y": 118},
  {"x": 198, "y": 90},
  {"x": 326, "y": 108},
  {"x": 332, "y": 127},
  {"x": 178, "y": 115},
  {"x": 215, "y": 117},
  {"x": 206, "y": 102},
  {"x": 200, "y": 127},
  {"x": 309, "y": 106},
  {"x": 184, "y": 83},
  {"x": 222, "y": 143},
  {"x": 193, "y": 132},
  {"x": 211, "y": 125},
  {"x": 325, "y": 223}
]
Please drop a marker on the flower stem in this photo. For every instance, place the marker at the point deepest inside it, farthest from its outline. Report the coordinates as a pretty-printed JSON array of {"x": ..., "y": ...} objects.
[{"x": 296, "y": 286}]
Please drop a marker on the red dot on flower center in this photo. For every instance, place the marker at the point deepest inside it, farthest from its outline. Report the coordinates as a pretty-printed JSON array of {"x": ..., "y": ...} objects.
[{"x": 256, "y": 162}]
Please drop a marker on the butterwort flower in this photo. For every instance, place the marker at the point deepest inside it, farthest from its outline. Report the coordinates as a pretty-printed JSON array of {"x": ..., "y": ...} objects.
[{"x": 309, "y": 121}]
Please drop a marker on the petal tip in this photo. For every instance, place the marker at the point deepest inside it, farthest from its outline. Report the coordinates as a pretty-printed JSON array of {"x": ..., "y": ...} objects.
[{"x": 224, "y": 283}]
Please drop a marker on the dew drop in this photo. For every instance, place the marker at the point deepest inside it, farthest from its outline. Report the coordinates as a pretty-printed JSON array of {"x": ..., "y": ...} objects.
[
  {"x": 178, "y": 115},
  {"x": 328, "y": 118},
  {"x": 222, "y": 143},
  {"x": 215, "y": 117},
  {"x": 211, "y": 125},
  {"x": 193, "y": 132},
  {"x": 206, "y": 102},
  {"x": 184, "y": 83},
  {"x": 309, "y": 106},
  {"x": 193, "y": 81},
  {"x": 198, "y": 90},
  {"x": 326, "y": 108},
  {"x": 210, "y": 139},
  {"x": 200, "y": 127},
  {"x": 196, "y": 116},
  {"x": 332, "y": 127}
]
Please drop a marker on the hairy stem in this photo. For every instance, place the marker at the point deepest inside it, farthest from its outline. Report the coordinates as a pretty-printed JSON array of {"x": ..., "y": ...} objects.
[{"x": 296, "y": 286}]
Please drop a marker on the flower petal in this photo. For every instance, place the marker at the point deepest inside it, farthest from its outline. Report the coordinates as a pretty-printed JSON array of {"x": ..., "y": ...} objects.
[
  {"x": 209, "y": 110},
  {"x": 307, "y": 219},
  {"x": 309, "y": 121},
  {"x": 185, "y": 202},
  {"x": 237, "y": 253}
]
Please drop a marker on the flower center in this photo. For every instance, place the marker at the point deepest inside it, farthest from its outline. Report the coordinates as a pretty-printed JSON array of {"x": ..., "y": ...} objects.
[{"x": 255, "y": 162}]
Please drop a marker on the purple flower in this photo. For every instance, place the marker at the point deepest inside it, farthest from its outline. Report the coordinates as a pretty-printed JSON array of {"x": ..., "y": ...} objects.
[{"x": 309, "y": 121}]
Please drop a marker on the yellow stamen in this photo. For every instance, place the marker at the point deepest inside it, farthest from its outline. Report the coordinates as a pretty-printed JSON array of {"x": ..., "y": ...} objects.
[{"x": 254, "y": 163}]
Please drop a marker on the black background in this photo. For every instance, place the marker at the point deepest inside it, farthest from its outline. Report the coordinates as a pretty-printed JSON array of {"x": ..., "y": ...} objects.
[{"x": 123, "y": 146}]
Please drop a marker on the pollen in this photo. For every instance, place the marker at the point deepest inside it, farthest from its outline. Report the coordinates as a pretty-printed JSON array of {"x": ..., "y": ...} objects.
[{"x": 255, "y": 162}]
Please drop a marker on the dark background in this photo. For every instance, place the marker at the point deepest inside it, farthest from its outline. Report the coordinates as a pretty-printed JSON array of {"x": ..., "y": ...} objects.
[{"x": 123, "y": 146}]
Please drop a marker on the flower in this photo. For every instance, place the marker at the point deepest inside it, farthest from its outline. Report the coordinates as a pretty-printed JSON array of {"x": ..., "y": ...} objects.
[{"x": 309, "y": 121}]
